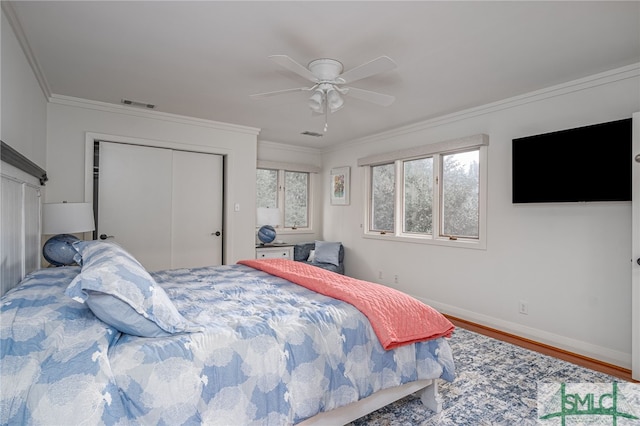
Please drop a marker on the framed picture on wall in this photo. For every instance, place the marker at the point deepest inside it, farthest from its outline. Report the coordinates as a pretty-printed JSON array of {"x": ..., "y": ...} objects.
[{"x": 340, "y": 186}]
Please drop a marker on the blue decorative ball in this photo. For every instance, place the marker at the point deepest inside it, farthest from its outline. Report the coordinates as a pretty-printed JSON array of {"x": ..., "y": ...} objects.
[
  {"x": 267, "y": 234},
  {"x": 58, "y": 250}
]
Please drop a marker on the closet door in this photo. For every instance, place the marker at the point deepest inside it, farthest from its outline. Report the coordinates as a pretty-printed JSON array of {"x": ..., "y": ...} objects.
[
  {"x": 134, "y": 201},
  {"x": 196, "y": 222}
]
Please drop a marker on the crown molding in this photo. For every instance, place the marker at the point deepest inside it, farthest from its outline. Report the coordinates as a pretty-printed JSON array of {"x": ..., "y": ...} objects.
[
  {"x": 288, "y": 147},
  {"x": 607, "y": 77},
  {"x": 154, "y": 115},
  {"x": 10, "y": 14}
]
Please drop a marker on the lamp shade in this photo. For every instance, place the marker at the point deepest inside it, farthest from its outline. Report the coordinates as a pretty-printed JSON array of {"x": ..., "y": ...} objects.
[
  {"x": 316, "y": 101},
  {"x": 334, "y": 100},
  {"x": 67, "y": 218},
  {"x": 267, "y": 216}
]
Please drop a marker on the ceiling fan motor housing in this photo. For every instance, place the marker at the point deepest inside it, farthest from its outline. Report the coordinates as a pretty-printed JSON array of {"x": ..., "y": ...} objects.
[{"x": 326, "y": 69}]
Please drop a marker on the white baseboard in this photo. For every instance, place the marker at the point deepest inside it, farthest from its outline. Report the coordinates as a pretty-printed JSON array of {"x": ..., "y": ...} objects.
[{"x": 617, "y": 358}]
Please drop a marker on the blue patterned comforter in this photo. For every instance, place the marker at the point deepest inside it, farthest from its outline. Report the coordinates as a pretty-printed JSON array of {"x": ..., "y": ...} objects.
[{"x": 272, "y": 353}]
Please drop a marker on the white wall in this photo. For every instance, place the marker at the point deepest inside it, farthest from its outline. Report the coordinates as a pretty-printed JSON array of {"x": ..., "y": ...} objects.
[
  {"x": 23, "y": 104},
  {"x": 23, "y": 127},
  {"x": 271, "y": 151},
  {"x": 69, "y": 119},
  {"x": 570, "y": 262}
]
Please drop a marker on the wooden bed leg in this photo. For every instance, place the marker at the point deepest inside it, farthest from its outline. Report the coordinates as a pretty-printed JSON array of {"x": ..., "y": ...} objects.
[{"x": 431, "y": 398}]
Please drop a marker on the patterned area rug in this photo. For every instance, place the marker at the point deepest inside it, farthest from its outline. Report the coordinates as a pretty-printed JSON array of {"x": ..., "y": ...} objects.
[{"x": 496, "y": 384}]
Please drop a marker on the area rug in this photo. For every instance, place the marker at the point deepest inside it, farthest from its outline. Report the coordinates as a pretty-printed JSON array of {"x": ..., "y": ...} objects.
[{"x": 496, "y": 384}]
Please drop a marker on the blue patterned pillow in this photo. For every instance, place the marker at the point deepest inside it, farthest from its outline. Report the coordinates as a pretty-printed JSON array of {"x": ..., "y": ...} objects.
[
  {"x": 121, "y": 292},
  {"x": 328, "y": 252}
]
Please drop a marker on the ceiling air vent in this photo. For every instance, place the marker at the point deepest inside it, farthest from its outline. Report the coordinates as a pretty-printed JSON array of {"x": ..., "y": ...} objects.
[
  {"x": 314, "y": 134},
  {"x": 137, "y": 104}
]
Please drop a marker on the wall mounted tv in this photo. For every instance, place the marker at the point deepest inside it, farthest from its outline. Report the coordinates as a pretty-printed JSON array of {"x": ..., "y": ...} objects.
[{"x": 591, "y": 163}]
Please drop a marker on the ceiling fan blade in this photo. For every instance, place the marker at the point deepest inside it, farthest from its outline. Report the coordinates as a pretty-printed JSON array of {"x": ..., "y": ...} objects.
[
  {"x": 291, "y": 65},
  {"x": 381, "y": 64},
  {"x": 279, "y": 92},
  {"x": 374, "y": 97}
]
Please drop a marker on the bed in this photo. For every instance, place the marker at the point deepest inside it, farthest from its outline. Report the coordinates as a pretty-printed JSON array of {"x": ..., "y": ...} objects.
[{"x": 234, "y": 344}]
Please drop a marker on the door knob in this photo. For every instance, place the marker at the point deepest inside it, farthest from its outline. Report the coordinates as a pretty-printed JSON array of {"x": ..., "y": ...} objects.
[
  {"x": 217, "y": 233},
  {"x": 637, "y": 158},
  {"x": 105, "y": 236}
]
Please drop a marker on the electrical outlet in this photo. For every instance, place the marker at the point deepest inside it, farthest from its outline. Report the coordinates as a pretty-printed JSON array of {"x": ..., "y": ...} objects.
[
  {"x": 395, "y": 279},
  {"x": 523, "y": 307},
  {"x": 379, "y": 275}
]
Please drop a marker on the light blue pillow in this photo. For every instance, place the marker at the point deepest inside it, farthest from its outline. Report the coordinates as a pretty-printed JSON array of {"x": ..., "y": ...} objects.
[
  {"x": 328, "y": 252},
  {"x": 120, "y": 292}
]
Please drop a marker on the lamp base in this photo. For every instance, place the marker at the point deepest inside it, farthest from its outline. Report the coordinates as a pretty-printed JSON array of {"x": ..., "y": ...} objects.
[
  {"x": 267, "y": 234},
  {"x": 58, "y": 250}
]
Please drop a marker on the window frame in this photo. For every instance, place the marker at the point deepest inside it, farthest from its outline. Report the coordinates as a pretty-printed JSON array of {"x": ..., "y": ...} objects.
[
  {"x": 435, "y": 151},
  {"x": 282, "y": 169}
]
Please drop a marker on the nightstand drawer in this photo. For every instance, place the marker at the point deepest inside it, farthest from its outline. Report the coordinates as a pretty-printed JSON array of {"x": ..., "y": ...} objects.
[{"x": 274, "y": 252}]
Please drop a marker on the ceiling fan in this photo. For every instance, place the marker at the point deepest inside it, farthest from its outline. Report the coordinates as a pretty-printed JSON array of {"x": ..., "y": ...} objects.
[{"x": 329, "y": 80}]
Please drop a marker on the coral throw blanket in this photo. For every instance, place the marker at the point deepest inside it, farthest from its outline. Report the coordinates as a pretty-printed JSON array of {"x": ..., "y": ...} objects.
[{"x": 397, "y": 318}]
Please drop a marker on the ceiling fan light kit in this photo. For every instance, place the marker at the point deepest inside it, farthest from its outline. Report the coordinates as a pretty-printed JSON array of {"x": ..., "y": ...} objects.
[
  {"x": 328, "y": 78},
  {"x": 316, "y": 101}
]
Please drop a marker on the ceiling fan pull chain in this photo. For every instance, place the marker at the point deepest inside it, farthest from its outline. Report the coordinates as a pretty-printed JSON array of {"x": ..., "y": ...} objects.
[{"x": 326, "y": 116}]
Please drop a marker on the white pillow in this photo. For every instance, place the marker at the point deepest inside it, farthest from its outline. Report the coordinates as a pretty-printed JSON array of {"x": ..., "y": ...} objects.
[{"x": 312, "y": 256}]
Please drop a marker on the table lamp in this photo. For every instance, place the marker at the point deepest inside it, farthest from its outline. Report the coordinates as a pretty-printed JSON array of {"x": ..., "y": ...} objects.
[
  {"x": 268, "y": 219},
  {"x": 64, "y": 219}
]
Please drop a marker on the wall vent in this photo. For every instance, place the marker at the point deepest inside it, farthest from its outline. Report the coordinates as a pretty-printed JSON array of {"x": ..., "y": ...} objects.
[
  {"x": 137, "y": 104},
  {"x": 314, "y": 134}
]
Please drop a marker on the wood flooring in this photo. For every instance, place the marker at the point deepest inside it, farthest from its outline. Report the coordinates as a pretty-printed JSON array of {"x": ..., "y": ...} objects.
[{"x": 580, "y": 360}]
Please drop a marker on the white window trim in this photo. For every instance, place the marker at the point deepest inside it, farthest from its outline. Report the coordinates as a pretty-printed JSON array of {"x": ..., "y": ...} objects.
[
  {"x": 480, "y": 142},
  {"x": 293, "y": 167}
]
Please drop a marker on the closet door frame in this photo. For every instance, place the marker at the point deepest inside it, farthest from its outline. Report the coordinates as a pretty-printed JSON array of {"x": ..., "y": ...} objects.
[{"x": 92, "y": 137}]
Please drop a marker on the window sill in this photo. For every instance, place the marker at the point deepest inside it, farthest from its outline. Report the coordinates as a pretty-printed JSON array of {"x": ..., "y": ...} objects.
[
  {"x": 459, "y": 243},
  {"x": 295, "y": 231}
]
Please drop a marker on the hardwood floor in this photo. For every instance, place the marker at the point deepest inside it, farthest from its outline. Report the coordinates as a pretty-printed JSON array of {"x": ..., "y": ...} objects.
[{"x": 583, "y": 361}]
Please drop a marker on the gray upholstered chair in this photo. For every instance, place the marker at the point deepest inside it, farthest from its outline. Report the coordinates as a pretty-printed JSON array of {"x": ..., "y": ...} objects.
[{"x": 301, "y": 252}]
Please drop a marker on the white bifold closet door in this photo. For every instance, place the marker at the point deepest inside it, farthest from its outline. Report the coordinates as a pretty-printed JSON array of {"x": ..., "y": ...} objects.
[{"x": 162, "y": 205}]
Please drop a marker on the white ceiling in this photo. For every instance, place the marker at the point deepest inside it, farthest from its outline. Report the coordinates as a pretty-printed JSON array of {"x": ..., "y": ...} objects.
[{"x": 203, "y": 59}]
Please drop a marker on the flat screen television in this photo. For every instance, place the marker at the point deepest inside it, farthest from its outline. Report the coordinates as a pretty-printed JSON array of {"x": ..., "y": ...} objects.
[{"x": 591, "y": 163}]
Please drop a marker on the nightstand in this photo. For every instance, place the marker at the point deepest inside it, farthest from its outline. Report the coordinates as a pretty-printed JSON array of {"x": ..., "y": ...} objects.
[{"x": 273, "y": 251}]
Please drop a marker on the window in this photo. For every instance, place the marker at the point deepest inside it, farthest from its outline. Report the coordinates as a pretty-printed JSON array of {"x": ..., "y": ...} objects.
[
  {"x": 434, "y": 194},
  {"x": 382, "y": 197},
  {"x": 267, "y": 188},
  {"x": 290, "y": 191},
  {"x": 296, "y": 200},
  {"x": 418, "y": 196},
  {"x": 460, "y": 189}
]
